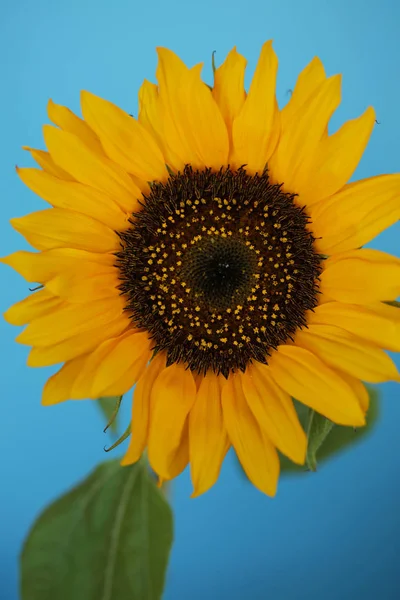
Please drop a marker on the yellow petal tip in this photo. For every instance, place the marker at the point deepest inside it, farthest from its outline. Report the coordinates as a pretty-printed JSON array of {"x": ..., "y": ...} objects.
[
  {"x": 49, "y": 401},
  {"x": 6, "y": 316},
  {"x": 20, "y": 339}
]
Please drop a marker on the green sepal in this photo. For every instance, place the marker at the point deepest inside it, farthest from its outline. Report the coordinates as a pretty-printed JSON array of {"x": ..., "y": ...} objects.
[
  {"x": 121, "y": 439},
  {"x": 340, "y": 437},
  {"x": 214, "y": 68},
  {"x": 109, "y": 405},
  {"x": 337, "y": 439},
  {"x": 319, "y": 428},
  {"x": 109, "y": 537},
  {"x": 393, "y": 303}
]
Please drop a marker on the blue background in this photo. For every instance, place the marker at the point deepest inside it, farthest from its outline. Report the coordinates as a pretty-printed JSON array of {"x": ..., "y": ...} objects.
[{"x": 335, "y": 534}]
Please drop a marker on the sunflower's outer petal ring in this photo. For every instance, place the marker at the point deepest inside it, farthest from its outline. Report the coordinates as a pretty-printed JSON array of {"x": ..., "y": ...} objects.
[
  {"x": 228, "y": 90},
  {"x": 275, "y": 413},
  {"x": 257, "y": 455},
  {"x": 378, "y": 323},
  {"x": 90, "y": 168},
  {"x": 71, "y": 320},
  {"x": 208, "y": 440},
  {"x": 336, "y": 158},
  {"x": 40, "y": 267},
  {"x": 172, "y": 397},
  {"x": 356, "y": 214},
  {"x": 307, "y": 83},
  {"x": 342, "y": 350},
  {"x": 75, "y": 196},
  {"x": 33, "y": 307},
  {"x": 301, "y": 137},
  {"x": 62, "y": 228},
  {"x": 141, "y": 410},
  {"x": 48, "y": 165},
  {"x": 65, "y": 119},
  {"x": 59, "y": 386},
  {"x": 361, "y": 277},
  {"x": 124, "y": 139},
  {"x": 255, "y": 131},
  {"x": 305, "y": 377}
]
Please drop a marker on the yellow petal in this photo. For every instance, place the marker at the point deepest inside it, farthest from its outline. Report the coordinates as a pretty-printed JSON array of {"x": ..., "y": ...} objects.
[
  {"x": 377, "y": 323},
  {"x": 257, "y": 455},
  {"x": 228, "y": 90},
  {"x": 180, "y": 458},
  {"x": 193, "y": 125},
  {"x": 68, "y": 121},
  {"x": 208, "y": 440},
  {"x": 358, "y": 388},
  {"x": 75, "y": 196},
  {"x": 71, "y": 347},
  {"x": 90, "y": 168},
  {"x": 90, "y": 282},
  {"x": 123, "y": 365},
  {"x": 307, "y": 83},
  {"x": 172, "y": 397},
  {"x": 114, "y": 367},
  {"x": 71, "y": 320},
  {"x": 308, "y": 379},
  {"x": 150, "y": 116},
  {"x": 344, "y": 351},
  {"x": 60, "y": 228},
  {"x": 34, "y": 306},
  {"x": 255, "y": 131},
  {"x": 40, "y": 267},
  {"x": 206, "y": 129},
  {"x": 141, "y": 410},
  {"x": 361, "y": 277},
  {"x": 83, "y": 383},
  {"x": 336, "y": 158},
  {"x": 124, "y": 139},
  {"x": 48, "y": 165},
  {"x": 356, "y": 214},
  {"x": 58, "y": 387},
  {"x": 301, "y": 137},
  {"x": 275, "y": 413},
  {"x": 149, "y": 110},
  {"x": 170, "y": 72}
]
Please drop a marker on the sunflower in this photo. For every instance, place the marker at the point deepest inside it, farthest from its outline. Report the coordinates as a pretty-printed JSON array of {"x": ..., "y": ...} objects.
[{"x": 210, "y": 253}]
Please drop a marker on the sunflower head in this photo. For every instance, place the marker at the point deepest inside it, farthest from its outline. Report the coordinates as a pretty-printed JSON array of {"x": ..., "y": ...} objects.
[
  {"x": 209, "y": 252},
  {"x": 219, "y": 267}
]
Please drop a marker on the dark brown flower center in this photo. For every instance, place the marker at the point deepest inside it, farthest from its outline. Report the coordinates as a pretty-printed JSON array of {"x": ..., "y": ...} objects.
[{"x": 220, "y": 268}]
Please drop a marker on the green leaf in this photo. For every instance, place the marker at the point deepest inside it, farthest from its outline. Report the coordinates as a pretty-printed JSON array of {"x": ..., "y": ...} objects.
[
  {"x": 109, "y": 406},
  {"x": 109, "y": 538},
  {"x": 319, "y": 428},
  {"x": 339, "y": 439}
]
